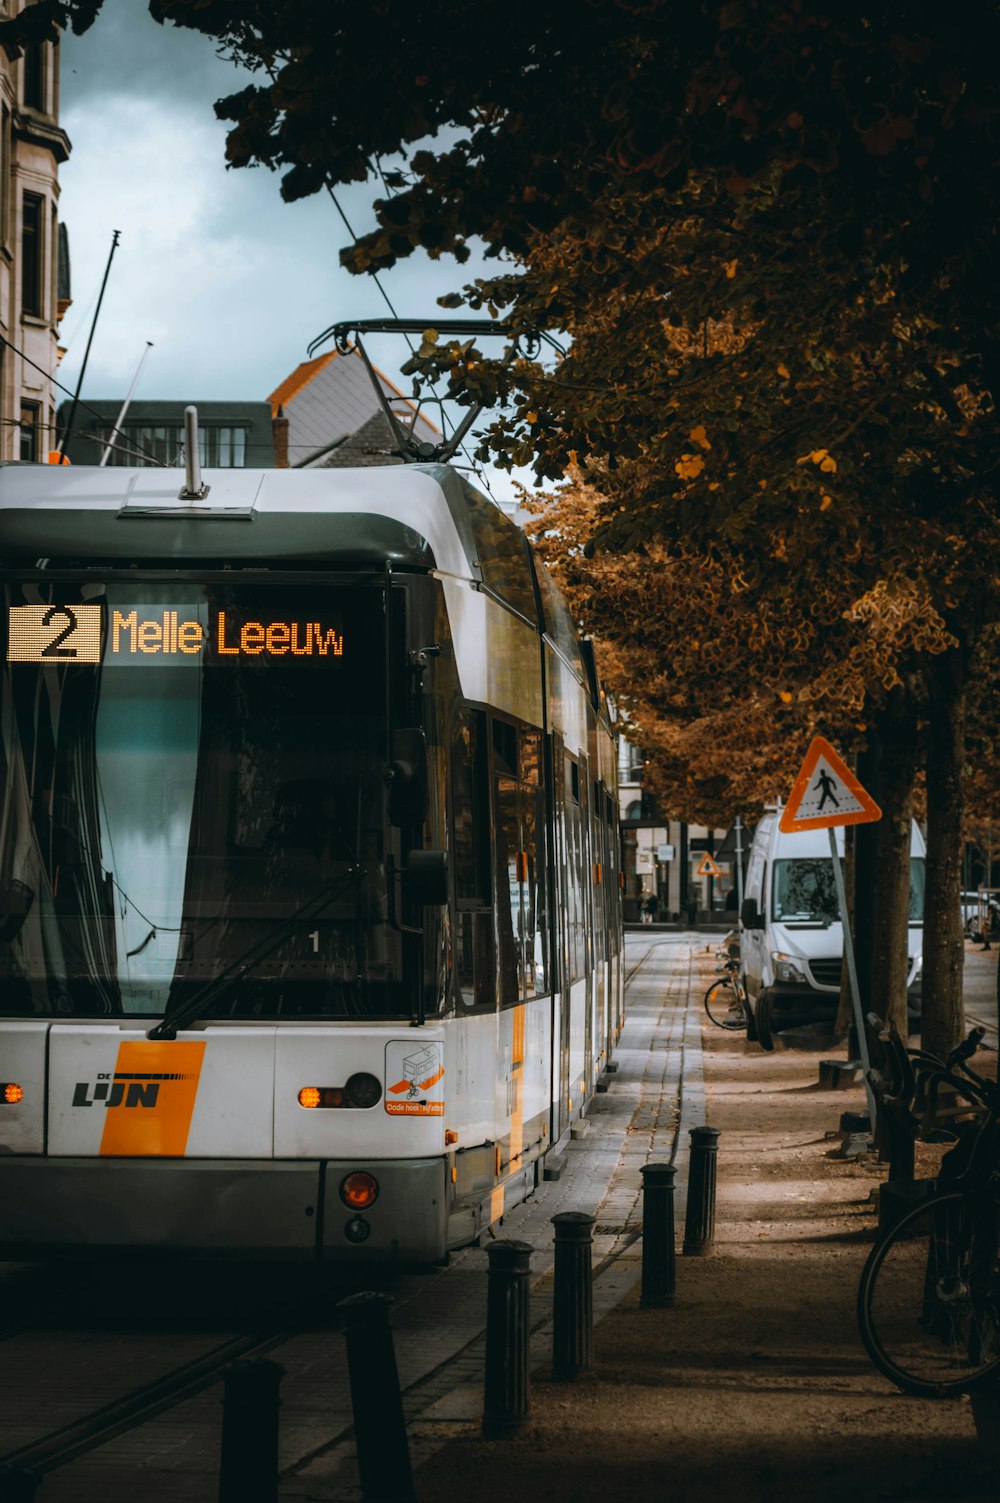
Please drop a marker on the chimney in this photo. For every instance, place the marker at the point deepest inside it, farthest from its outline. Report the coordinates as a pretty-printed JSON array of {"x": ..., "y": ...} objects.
[{"x": 279, "y": 425}]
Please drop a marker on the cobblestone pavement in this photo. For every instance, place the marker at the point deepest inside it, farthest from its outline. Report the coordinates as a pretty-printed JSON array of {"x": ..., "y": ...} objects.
[{"x": 655, "y": 1095}]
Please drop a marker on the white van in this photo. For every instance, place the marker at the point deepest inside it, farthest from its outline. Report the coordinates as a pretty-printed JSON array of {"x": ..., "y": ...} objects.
[{"x": 791, "y": 937}]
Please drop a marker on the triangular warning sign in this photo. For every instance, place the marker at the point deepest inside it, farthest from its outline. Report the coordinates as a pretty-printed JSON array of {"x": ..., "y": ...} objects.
[
  {"x": 708, "y": 867},
  {"x": 827, "y": 793}
]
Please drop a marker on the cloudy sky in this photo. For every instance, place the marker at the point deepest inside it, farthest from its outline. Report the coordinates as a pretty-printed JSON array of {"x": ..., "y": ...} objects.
[{"x": 228, "y": 282}]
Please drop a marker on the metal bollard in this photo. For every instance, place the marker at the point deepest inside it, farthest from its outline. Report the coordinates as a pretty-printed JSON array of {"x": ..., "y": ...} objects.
[
  {"x": 659, "y": 1280},
  {"x": 248, "y": 1467},
  {"x": 699, "y": 1223},
  {"x": 379, "y": 1425},
  {"x": 18, "y": 1485},
  {"x": 507, "y": 1396},
  {"x": 573, "y": 1295}
]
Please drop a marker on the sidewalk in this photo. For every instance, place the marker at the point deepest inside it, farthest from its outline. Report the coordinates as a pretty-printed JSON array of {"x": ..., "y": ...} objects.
[{"x": 755, "y": 1387}]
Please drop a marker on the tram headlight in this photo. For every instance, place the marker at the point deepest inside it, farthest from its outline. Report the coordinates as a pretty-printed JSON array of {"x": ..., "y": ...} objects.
[
  {"x": 363, "y": 1090},
  {"x": 310, "y": 1096},
  {"x": 359, "y": 1190},
  {"x": 12, "y": 1092}
]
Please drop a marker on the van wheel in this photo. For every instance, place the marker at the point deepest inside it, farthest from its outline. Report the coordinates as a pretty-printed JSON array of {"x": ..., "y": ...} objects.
[{"x": 764, "y": 1018}]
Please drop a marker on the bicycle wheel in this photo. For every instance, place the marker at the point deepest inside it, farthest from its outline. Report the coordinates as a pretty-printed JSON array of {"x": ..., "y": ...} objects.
[
  {"x": 723, "y": 1006},
  {"x": 928, "y": 1297}
]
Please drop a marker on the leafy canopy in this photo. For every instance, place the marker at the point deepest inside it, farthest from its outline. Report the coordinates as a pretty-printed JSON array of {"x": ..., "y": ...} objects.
[{"x": 769, "y": 231}]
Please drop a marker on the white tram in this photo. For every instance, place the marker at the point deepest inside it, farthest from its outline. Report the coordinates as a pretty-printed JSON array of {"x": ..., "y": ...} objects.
[{"x": 310, "y": 938}]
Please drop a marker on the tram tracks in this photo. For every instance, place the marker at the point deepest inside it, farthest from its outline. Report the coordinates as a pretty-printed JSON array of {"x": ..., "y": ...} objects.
[
  {"x": 168, "y": 1390},
  {"x": 143, "y": 1403}
]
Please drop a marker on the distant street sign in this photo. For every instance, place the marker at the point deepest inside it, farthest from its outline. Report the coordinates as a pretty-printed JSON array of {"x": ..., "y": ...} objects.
[
  {"x": 727, "y": 850},
  {"x": 826, "y": 794},
  {"x": 664, "y": 853},
  {"x": 708, "y": 867}
]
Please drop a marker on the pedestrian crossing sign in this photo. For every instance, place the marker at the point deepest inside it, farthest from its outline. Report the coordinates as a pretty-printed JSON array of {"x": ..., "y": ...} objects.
[
  {"x": 826, "y": 794},
  {"x": 708, "y": 867}
]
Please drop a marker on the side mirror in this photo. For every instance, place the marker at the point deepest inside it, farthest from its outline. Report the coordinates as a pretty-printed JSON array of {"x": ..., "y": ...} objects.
[
  {"x": 407, "y": 777},
  {"x": 749, "y": 916},
  {"x": 16, "y": 899},
  {"x": 426, "y": 878}
]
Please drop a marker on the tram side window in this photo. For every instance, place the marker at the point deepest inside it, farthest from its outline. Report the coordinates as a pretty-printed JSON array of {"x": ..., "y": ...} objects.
[
  {"x": 503, "y": 554},
  {"x": 519, "y": 846},
  {"x": 612, "y": 880},
  {"x": 470, "y": 855},
  {"x": 600, "y": 864},
  {"x": 537, "y": 963},
  {"x": 576, "y": 858}
]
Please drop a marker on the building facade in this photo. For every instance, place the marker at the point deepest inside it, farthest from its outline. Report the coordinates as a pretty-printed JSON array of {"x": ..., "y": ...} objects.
[
  {"x": 34, "y": 251},
  {"x": 232, "y": 435},
  {"x": 664, "y": 860}
]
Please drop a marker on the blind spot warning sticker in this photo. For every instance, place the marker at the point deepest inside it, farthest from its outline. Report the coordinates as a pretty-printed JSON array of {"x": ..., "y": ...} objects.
[{"x": 414, "y": 1079}]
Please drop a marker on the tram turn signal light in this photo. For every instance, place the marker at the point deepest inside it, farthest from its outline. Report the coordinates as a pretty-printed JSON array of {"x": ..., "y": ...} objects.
[
  {"x": 12, "y": 1093},
  {"x": 359, "y": 1190},
  {"x": 314, "y": 1095},
  {"x": 361, "y": 1090}
]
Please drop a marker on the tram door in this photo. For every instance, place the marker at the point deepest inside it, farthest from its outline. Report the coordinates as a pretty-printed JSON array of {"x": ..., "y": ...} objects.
[
  {"x": 561, "y": 973},
  {"x": 580, "y": 788}
]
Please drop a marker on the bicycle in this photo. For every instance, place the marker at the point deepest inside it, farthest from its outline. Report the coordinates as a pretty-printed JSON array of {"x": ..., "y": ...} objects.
[
  {"x": 929, "y": 1296},
  {"x": 726, "y": 999}
]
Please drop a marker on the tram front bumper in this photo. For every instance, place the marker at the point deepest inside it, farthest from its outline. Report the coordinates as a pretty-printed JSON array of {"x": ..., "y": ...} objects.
[{"x": 220, "y": 1208}]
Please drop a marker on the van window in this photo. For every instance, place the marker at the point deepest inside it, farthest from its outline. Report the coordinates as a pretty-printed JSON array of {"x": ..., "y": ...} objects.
[{"x": 804, "y": 891}]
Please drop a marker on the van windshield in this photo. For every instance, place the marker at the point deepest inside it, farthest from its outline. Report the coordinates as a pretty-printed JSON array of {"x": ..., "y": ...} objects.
[{"x": 804, "y": 891}]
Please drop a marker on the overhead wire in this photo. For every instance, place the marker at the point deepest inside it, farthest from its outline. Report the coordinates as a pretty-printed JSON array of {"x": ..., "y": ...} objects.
[
  {"x": 120, "y": 448},
  {"x": 477, "y": 470},
  {"x": 85, "y": 405}
]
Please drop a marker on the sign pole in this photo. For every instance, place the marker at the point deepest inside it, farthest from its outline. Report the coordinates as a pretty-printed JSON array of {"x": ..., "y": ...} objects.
[
  {"x": 859, "y": 1022},
  {"x": 739, "y": 865}
]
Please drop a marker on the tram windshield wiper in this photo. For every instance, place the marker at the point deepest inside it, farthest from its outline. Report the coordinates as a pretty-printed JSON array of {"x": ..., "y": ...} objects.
[{"x": 190, "y": 1010}]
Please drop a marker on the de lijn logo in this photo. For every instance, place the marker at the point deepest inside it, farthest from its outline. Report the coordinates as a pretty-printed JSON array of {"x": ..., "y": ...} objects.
[{"x": 123, "y": 1089}]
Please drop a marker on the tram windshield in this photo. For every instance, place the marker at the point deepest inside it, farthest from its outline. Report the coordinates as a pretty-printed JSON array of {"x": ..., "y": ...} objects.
[{"x": 183, "y": 768}]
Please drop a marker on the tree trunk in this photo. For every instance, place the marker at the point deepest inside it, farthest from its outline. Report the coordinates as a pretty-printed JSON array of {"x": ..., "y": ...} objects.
[
  {"x": 890, "y": 962},
  {"x": 944, "y": 949}
]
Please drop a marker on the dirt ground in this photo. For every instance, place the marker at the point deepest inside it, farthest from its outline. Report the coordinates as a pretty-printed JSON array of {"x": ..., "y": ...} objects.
[{"x": 755, "y": 1387}]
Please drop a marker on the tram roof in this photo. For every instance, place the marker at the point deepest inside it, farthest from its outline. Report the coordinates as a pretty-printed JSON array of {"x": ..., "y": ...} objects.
[
  {"x": 417, "y": 516},
  {"x": 408, "y": 516}
]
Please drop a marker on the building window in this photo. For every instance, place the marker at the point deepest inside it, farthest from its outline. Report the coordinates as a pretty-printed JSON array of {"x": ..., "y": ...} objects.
[
  {"x": 34, "y": 76},
  {"x": 31, "y": 254},
  {"x": 29, "y": 431},
  {"x": 231, "y": 447},
  {"x": 145, "y": 444}
]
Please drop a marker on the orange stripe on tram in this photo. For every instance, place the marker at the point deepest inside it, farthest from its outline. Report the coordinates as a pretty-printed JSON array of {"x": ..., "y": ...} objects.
[
  {"x": 517, "y": 1070},
  {"x": 158, "y": 1081}
]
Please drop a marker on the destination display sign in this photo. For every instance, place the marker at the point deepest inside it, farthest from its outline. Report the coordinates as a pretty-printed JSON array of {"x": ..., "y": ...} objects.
[{"x": 101, "y": 633}]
